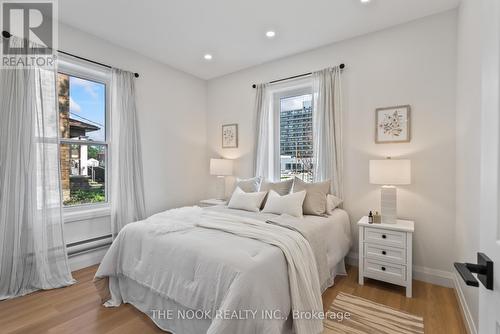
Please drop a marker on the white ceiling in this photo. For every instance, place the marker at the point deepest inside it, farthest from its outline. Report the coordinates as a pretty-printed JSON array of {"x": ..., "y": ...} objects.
[{"x": 180, "y": 32}]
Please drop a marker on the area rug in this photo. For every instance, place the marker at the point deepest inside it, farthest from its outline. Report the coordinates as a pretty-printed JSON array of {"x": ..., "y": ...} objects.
[{"x": 350, "y": 314}]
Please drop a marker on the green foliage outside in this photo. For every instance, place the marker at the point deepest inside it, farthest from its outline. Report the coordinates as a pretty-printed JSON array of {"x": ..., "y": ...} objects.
[
  {"x": 86, "y": 196},
  {"x": 94, "y": 151}
]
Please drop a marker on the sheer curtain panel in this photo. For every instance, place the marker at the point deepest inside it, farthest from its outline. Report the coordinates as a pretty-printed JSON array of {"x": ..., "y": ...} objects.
[
  {"x": 263, "y": 133},
  {"x": 127, "y": 185},
  {"x": 327, "y": 128},
  {"x": 32, "y": 249}
]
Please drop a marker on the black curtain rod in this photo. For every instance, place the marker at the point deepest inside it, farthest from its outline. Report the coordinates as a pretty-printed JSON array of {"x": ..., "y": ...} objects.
[
  {"x": 294, "y": 77},
  {"x": 7, "y": 34}
]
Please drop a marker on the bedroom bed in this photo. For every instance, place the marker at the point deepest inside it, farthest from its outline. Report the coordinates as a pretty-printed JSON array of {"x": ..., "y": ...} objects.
[{"x": 192, "y": 277}]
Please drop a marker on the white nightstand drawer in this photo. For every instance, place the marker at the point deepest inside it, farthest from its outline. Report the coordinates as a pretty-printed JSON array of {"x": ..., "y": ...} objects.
[
  {"x": 385, "y": 237},
  {"x": 390, "y": 272},
  {"x": 385, "y": 253}
]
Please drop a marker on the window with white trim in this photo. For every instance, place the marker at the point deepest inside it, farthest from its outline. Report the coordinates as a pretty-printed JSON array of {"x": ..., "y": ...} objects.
[
  {"x": 83, "y": 133},
  {"x": 293, "y": 119}
]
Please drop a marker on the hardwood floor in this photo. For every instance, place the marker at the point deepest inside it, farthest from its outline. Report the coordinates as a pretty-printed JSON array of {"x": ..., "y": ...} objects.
[{"x": 77, "y": 309}]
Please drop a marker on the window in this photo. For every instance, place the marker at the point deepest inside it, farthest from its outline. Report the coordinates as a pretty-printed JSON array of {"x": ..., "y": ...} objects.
[
  {"x": 295, "y": 133},
  {"x": 83, "y": 135}
]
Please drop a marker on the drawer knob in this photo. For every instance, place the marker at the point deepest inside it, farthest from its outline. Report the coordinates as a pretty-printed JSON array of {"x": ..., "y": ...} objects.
[
  {"x": 384, "y": 252},
  {"x": 384, "y": 236},
  {"x": 383, "y": 268}
]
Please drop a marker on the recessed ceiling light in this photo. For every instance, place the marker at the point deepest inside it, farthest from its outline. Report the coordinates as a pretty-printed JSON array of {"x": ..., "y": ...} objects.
[
  {"x": 365, "y": 1},
  {"x": 270, "y": 34},
  {"x": 208, "y": 56}
]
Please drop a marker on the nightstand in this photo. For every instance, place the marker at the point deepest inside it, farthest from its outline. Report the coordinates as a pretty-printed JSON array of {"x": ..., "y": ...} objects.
[
  {"x": 211, "y": 202},
  {"x": 385, "y": 252}
]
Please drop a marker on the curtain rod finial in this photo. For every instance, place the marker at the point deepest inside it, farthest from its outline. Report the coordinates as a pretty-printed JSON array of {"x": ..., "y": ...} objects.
[
  {"x": 136, "y": 75},
  {"x": 254, "y": 86},
  {"x": 342, "y": 66},
  {"x": 6, "y": 34}
]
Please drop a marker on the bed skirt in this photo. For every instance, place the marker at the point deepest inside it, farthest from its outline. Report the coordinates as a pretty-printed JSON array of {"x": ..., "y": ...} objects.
[{"x": 167, "y": 314}]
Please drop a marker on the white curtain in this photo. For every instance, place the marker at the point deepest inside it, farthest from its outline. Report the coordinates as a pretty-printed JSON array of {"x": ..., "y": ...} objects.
[
  {"x": 327, "y": 128},
  {"x": 127, "y": 184},
  {"x": 32, "y": 249},
  {"x": 264, "y": 144}
]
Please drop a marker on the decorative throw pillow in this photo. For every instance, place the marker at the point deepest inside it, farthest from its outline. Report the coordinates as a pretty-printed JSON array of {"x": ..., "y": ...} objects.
[
  {"x": 246, "y": 201},
  {"x": 290, "y": 204},
  {"x": 250, "y": 185},
  {"x": 282, "y": 188},
  {"x": 332, "y": 202},
  {"x": 315, "y": 201}
]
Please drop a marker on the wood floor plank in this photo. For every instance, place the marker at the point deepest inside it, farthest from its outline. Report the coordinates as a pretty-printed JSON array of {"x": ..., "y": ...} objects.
[{"x": 77, "y": 309}]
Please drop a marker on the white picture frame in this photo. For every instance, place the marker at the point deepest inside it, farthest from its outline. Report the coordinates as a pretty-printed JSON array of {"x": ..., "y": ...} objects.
[
  {"x": 230, "y": 136},
  {"x": 393, "y": 124}
]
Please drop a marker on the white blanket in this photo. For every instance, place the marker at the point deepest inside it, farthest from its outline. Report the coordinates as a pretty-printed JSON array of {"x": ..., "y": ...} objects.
[
  {"x": 303, "y": 278},
  {"x": 313, "y": 232},
  {"x": 201, "y": 268}
]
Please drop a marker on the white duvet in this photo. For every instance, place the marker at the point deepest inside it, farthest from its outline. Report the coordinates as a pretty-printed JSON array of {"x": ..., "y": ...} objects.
[{"x": 186, "y": 259}]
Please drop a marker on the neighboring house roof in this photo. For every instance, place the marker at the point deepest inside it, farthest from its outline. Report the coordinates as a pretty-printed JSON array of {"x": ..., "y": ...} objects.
[{"x": 73, "y": 123}]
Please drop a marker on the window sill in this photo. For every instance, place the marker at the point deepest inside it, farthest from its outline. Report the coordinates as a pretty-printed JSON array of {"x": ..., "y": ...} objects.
[{"x": 86, "y": 212}]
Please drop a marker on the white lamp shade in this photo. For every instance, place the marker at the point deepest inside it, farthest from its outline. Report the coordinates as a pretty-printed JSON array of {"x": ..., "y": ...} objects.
[
  {"x": 390, "y": 172},
  {"x": 221, "y": 167}
]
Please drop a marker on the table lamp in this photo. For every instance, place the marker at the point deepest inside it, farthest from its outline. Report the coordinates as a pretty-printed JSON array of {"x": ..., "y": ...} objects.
[
  {"x": 389, "y": 173},
  {"x": 221, "y": 168}
]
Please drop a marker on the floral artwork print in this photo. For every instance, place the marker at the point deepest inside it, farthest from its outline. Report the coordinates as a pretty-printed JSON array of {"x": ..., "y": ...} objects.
[
  {"x": 392, "y": 124},
  {"x": 230, "y": 136}
]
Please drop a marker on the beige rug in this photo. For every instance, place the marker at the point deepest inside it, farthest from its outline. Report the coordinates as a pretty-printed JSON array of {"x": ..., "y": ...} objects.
[{"x": 368, "y": 317}]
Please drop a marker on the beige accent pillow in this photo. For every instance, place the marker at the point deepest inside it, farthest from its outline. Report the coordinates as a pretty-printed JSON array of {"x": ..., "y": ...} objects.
[
  {"x": 282, "y": 188},
  {"x": 315, "y": 201}
]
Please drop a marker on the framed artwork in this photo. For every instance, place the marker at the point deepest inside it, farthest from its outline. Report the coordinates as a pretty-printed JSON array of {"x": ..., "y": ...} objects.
[
  {"x": 392, "y": 124},
  {"x": 230, "y": 136}
]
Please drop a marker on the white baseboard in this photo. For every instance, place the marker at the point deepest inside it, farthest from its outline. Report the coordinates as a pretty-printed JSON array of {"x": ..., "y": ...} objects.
[
  {"x": 428, "y": 275},
  {"x": 469, "y": 322},
  {"x": 87, "y": 259},
  {"x": 433, "y": 276}
]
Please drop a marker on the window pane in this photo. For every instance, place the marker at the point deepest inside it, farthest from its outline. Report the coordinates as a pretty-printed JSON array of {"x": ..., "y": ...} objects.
[
  {"x": 296, "y": 141},
  {"x": 83, "y": 173},
  {"x": 82, "y": 108}
]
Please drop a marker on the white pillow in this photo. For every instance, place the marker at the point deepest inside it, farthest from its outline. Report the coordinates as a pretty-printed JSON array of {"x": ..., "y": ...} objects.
[
  {"x": 250, "y": 185},
  {"x": 290, "y": 204},
  {"x": 332, "y": 202},
  {"x": 246, "y": 201}
]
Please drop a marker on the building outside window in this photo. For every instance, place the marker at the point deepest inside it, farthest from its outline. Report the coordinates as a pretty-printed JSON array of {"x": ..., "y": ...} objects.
[
  {"x": 82, "y": 98},
  {"x": 295, "y": 134}
]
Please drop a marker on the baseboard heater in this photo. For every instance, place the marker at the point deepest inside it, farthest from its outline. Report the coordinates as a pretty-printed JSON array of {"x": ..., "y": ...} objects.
[{"x": 87, "y": 245}]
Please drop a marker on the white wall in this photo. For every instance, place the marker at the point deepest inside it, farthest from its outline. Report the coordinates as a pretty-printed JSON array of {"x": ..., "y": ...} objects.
[
  {"x": 172, "y": 118},
  {"x": 468, "y": 146},
  {"x": 411, "y": 64}
]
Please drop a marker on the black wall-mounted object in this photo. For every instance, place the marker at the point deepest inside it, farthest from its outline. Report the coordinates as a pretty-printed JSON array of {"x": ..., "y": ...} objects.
[
  {"x": 483, "y": 269},
  {"x": 341, "y": 66},
  {"x": 7, "y": 34}
]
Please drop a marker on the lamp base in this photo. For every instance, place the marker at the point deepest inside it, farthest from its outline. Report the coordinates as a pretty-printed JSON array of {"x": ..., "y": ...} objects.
[
  {"x": 221, "y": 188},
  {"x": 388, "y": 204}
]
